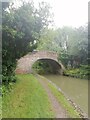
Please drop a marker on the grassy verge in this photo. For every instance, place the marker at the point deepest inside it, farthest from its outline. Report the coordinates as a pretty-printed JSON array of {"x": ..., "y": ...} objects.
[
  {"x": 72, "y": 113},
  {"x": 0, "y": 107},
  {"x": 27, "y": 100}
]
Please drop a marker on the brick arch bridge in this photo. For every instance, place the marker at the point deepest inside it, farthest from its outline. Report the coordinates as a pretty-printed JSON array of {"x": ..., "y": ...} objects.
[{"x": 24, "y": 64}]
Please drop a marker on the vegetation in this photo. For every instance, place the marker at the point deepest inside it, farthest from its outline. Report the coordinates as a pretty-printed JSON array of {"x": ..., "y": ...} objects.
[
  {"x": 26, "y": 28},
  {"x": 21, "y": 29},
  {"x": 71, "y": 44},
  {"x": 33, "y": 104},
  {"x": 42, "y": 67},
  {"x": 28, "y": 99},
  {"x": 82, "y": 72},
  {"x": 0, "y": 107}
]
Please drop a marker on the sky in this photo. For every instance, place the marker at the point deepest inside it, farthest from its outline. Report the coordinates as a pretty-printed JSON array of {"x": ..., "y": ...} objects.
[{"x": 72, "y": 13}]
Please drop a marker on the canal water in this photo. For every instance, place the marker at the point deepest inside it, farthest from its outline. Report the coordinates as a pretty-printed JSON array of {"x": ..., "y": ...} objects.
[{"x": 76, "y": 89}]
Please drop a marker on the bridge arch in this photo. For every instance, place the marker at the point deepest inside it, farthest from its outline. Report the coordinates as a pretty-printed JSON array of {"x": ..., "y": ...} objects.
[
  {"x": 53, "y": 65},
  {"x": 24, "y": 64}
]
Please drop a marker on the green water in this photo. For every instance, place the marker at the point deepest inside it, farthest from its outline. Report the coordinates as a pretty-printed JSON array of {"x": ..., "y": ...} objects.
[{"x": 76, "y": 89}]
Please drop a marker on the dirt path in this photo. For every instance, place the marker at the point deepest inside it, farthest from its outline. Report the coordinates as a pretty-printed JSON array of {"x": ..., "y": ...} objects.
[{"x": 59, "y": 111}]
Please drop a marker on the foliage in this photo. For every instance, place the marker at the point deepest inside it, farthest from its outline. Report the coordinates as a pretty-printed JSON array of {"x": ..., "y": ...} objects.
[
  {"x": 0, "y": 107},
  {"x": 21, "y": 28},
  {"x": 42, "y": 67},
  {"x": 46, "y": 40},
  {"x": 82, "y": 72},
  {"x": 64, "y": 58},
  {"x": 25, "y": 28},
  {"x": 71, "y": 44}
]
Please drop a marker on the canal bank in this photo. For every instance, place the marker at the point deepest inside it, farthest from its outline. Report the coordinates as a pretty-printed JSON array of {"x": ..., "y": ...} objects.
[
  {"x": 67, "y": 109},
  {"x": 33, "y": 97},
  {"x": 74, "y": 89}
]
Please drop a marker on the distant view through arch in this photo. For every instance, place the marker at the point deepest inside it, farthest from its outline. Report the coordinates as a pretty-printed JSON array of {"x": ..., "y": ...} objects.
[{"x": 46, "y": 66}]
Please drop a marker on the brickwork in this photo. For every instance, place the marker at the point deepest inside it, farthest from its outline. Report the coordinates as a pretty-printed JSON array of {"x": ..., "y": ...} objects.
[{"x": 24, "y": 64}]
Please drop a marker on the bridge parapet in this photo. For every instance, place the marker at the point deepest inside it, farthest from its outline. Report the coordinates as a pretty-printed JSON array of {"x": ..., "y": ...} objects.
[{"x": 44, "y": 53}]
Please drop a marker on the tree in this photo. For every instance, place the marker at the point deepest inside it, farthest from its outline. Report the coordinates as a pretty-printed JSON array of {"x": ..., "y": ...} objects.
[
  {"x": 46, "y": 40},
  {"x": 70, "y": 43},
  {"x": 21, "y": 27}
]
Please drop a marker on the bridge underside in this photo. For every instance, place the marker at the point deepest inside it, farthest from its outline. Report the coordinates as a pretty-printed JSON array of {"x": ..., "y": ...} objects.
[{"x": 56, "y": 67}]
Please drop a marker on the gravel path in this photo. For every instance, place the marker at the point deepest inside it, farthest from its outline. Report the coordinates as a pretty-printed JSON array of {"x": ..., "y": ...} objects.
[{"x": 59, "y": 111}]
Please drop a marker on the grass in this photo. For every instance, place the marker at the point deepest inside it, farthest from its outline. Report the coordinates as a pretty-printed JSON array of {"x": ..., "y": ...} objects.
[
  {"x": 0, "y": 107},
  {"x": 72, "y": 113},
  {"x": 27, "y": 99}
]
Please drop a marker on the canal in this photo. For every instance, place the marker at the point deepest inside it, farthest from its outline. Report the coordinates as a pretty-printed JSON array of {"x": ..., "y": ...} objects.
[{"x": 76, "y": 89}]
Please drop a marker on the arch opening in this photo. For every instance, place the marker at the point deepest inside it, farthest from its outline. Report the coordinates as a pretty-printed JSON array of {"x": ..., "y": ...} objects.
[{"x": 46, "y": 66}]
